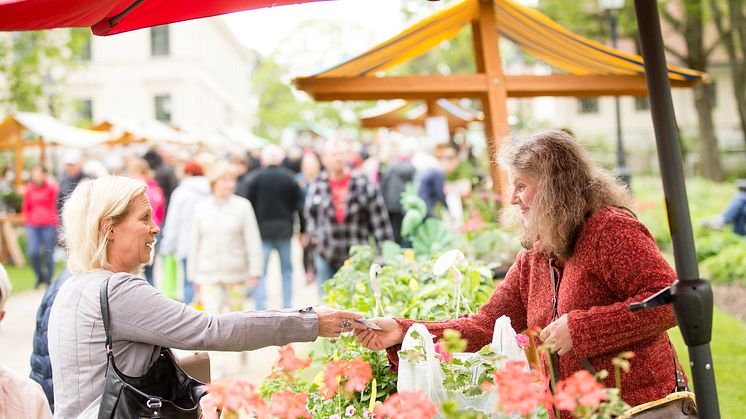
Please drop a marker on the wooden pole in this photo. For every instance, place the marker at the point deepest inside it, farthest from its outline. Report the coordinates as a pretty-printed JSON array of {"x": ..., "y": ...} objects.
[
  {"x": 18, "y": 145},
  {"x": 494, "y": 101}
]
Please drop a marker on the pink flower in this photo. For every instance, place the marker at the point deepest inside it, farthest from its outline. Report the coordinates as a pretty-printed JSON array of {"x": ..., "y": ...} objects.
[
  {"x": 520, "y": 391},
  {"x": 289, "y": 362},
  {"x": 580, "y": 389},
  {"x": 332, "y": 373},
  {"x": 233, "y": 396},
  {"x": 358, "y": 373},
  {"x": 350, "y": 410},
  {"x": 289, "y": 405},
  {"x": 440, "y": 349},
  {"x": 523, "y": 341},
  {"x": 406, "y": 405},
  {"x": 474, "y": 223}
]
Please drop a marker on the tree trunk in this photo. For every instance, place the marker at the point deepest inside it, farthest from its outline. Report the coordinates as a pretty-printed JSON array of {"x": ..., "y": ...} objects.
[{"x": 708, "y": 143}]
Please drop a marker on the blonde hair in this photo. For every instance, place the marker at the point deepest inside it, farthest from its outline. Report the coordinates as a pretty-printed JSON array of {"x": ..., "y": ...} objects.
[
  {"x": 218, "y": 170},
  {"x": 5, "y": 287},
  {"x": 570, "y": 188},
  {"x": 89, "y": 215}
]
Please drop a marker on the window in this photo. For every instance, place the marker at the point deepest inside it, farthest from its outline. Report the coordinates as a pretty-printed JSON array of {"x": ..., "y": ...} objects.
[
  {"x": 84, "y": 109},
  {"x": 163, "y": 108},
  {"x": 642, "y": 103},
  {"x": 588, "y": 105},
  {"x": 159, "y": 41}
]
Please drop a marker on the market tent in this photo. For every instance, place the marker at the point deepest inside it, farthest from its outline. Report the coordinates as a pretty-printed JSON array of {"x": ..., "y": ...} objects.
[
  {"x": 243, "y": 137},
  {"x": 126, "y": 131},
  {"x": 587, "y": 68},
  {"x": 109, "y": 17},
  {"x": 401, "y": 112},
  {"x": 29, "y": 129}
]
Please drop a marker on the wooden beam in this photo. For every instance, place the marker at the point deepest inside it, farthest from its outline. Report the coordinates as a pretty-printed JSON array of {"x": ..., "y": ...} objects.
[
  {"x": 394, "y": 87},
  {"x": 474, "y": 86},
  {"x": 495, "y": 98}
]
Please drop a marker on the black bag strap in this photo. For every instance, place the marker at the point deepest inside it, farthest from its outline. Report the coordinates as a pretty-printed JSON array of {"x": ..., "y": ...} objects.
[
  {"x": 104, "y": 298},
  {"x": 680, "y": 380}
]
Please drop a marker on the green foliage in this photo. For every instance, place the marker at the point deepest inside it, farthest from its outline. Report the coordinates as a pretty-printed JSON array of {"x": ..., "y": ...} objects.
[
  {"x": 467, "y": 374},
  {"x": 12, "y": 200},
  {"x": 408, "y": 287},
  {"x": 431, "y": 237},
  {"x": 727, "y": 266}
]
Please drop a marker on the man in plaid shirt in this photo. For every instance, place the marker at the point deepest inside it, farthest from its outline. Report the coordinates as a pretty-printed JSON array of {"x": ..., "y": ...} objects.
[{"x": 343, "y": 208}]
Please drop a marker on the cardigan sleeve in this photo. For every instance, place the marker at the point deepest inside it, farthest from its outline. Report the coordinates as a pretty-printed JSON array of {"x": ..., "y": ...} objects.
[
  {"x": 139, "y": 313},
  {"x": 631, "y": 266},
  {"x": 477, "y": 329}
]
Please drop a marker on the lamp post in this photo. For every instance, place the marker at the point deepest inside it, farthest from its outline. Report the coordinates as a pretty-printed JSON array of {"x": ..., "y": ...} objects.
[{"x": 612, "y": 8}]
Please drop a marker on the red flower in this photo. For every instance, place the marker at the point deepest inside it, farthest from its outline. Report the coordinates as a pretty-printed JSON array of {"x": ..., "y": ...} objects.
[
  {"x": 520, "y": 391},
  {"x": 440, "y": 348},
  {"x": 289, "y": 405},
  {"x": 289, "y": 362},
  {"x": 580, "y": 389},
  {"x": 358, "y": 373},
  {"x": 406, "y": 405},
  {"x": 232, "y": 396}
]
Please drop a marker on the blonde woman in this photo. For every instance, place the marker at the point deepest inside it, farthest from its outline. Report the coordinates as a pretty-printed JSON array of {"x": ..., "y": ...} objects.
[
  {"x": 226, "y": 248},
  {"x": 109, "y": 232}
]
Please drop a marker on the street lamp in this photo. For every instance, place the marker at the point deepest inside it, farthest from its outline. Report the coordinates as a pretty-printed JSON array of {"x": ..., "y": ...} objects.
[{"x": 612, "y": 8}]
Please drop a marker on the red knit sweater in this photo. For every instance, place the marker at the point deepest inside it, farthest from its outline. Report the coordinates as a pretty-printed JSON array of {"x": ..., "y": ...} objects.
[{"x": 615, "y": 262}]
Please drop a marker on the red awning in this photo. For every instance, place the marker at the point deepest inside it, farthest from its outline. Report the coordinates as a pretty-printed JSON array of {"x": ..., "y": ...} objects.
[{"x": 108, "y": 17}]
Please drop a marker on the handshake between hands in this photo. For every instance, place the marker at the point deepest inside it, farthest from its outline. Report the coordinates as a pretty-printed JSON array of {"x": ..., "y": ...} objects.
[{"x": 332, "y": 323}]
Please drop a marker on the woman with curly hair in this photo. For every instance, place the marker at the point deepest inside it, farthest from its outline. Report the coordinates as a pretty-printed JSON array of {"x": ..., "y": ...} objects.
[{"x": 585, "y": 259}]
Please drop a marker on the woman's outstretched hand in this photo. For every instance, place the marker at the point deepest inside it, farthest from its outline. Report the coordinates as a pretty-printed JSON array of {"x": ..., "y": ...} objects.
[
  {"x": 333, "y": 322},
  {"x": 390, "y": 334}
]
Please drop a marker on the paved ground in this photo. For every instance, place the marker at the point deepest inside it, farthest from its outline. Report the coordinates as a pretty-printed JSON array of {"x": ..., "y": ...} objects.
[{"x": 17, "y": 329}]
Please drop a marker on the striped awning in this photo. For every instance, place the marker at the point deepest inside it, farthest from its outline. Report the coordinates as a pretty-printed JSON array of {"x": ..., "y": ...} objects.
[{"x": 528, "y": 28}]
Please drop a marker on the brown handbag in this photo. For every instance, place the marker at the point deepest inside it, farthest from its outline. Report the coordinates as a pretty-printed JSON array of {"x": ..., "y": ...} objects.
[{"x": 195, "y": 364}]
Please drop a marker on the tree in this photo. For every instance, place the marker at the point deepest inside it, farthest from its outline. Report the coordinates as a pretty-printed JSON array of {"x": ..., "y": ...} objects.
[
  {"x": 687, "y": 18},
  {"x": 731, "y": 25},
  {"x": 32, "y": 62}
]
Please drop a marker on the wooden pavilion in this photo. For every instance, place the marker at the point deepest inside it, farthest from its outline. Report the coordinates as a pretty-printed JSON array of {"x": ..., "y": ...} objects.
[
  {"x": 402, "y": 112},
  {"x": 588, "y": 67}
]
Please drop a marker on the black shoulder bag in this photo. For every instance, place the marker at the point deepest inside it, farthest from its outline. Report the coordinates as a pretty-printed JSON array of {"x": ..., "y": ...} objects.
[{"x": 165, "y": 391}]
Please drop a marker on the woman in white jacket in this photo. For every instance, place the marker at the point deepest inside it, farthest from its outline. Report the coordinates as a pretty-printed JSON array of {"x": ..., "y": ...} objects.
[{"x": 226, "y": 247}]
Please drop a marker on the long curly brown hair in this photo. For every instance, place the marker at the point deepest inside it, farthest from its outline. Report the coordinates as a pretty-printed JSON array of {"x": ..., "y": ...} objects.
[{"x": 570, "y": 188}]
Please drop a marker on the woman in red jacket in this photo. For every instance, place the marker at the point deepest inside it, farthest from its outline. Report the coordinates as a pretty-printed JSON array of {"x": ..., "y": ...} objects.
[
  {"x": 573, "y": 219},
  {"x": 40, "y": 216}
]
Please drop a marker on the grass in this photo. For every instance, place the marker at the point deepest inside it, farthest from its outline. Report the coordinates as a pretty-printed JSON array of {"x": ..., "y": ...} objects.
[
  {"x": 728, "y": 348},
  {"x": 23, "y": 279}
]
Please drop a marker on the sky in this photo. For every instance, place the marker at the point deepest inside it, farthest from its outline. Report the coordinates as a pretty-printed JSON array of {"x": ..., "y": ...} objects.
[{"x": 329, "y": 30}]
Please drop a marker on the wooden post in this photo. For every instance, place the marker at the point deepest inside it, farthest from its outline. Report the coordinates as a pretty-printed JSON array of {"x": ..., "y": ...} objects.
[
  {"x": 494, "y": 101},
  {"x": 18, "y": 145}
]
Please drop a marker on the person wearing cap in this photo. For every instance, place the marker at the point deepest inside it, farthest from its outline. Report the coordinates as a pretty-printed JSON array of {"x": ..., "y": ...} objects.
[
  {"x": 20, "y": 397},
  {"x": 71, "y": 176}
]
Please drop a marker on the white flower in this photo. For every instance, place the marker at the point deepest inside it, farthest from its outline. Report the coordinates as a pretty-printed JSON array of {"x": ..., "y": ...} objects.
[
  {"x": 366, "y": 414},
  {"x": 350, "y": 410},
  {"x": 334, "y": 416}
]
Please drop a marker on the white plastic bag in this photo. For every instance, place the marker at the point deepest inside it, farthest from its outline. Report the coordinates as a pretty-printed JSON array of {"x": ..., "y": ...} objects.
[{"x": 427, "y": 375}]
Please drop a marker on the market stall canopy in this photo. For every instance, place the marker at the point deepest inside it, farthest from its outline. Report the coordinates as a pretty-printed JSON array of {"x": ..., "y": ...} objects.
[
  {"x": 109, "y": 17},
  {"x": 401, "y": 112},
  {"x": 29, "y": 128},
  {"x": 605, "y": 70},
  {"x": 243, "y": 137},
  {"x": 126, "y": 131}
]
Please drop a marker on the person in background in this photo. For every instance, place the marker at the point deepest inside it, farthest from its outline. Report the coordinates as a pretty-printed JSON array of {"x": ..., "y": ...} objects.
[
  {"x": 163, "y": 173},
  {"x": 109, "y": 231},
  {"x": 138, "y": 168},
  {"x": 588, "y": 253},
  {"x": 734, "y": 214},
  {"x": 225, "y": 253},
  {"x": 240, "y": 162},
  {"x": 432, "y": 180},
  {"x": 40, "y": 217},
  {"x": 399, "y": 173},
  {"x": 343, "y": 208},
  {"x": 41, "y": 368},
  {"x": 20, "y": 397},
  {"x": 177, "y": 229},
  {"x": 276, "y": 198},
  {"x": 309, "y": 170},
  {"x": 71, "y": 176}
]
